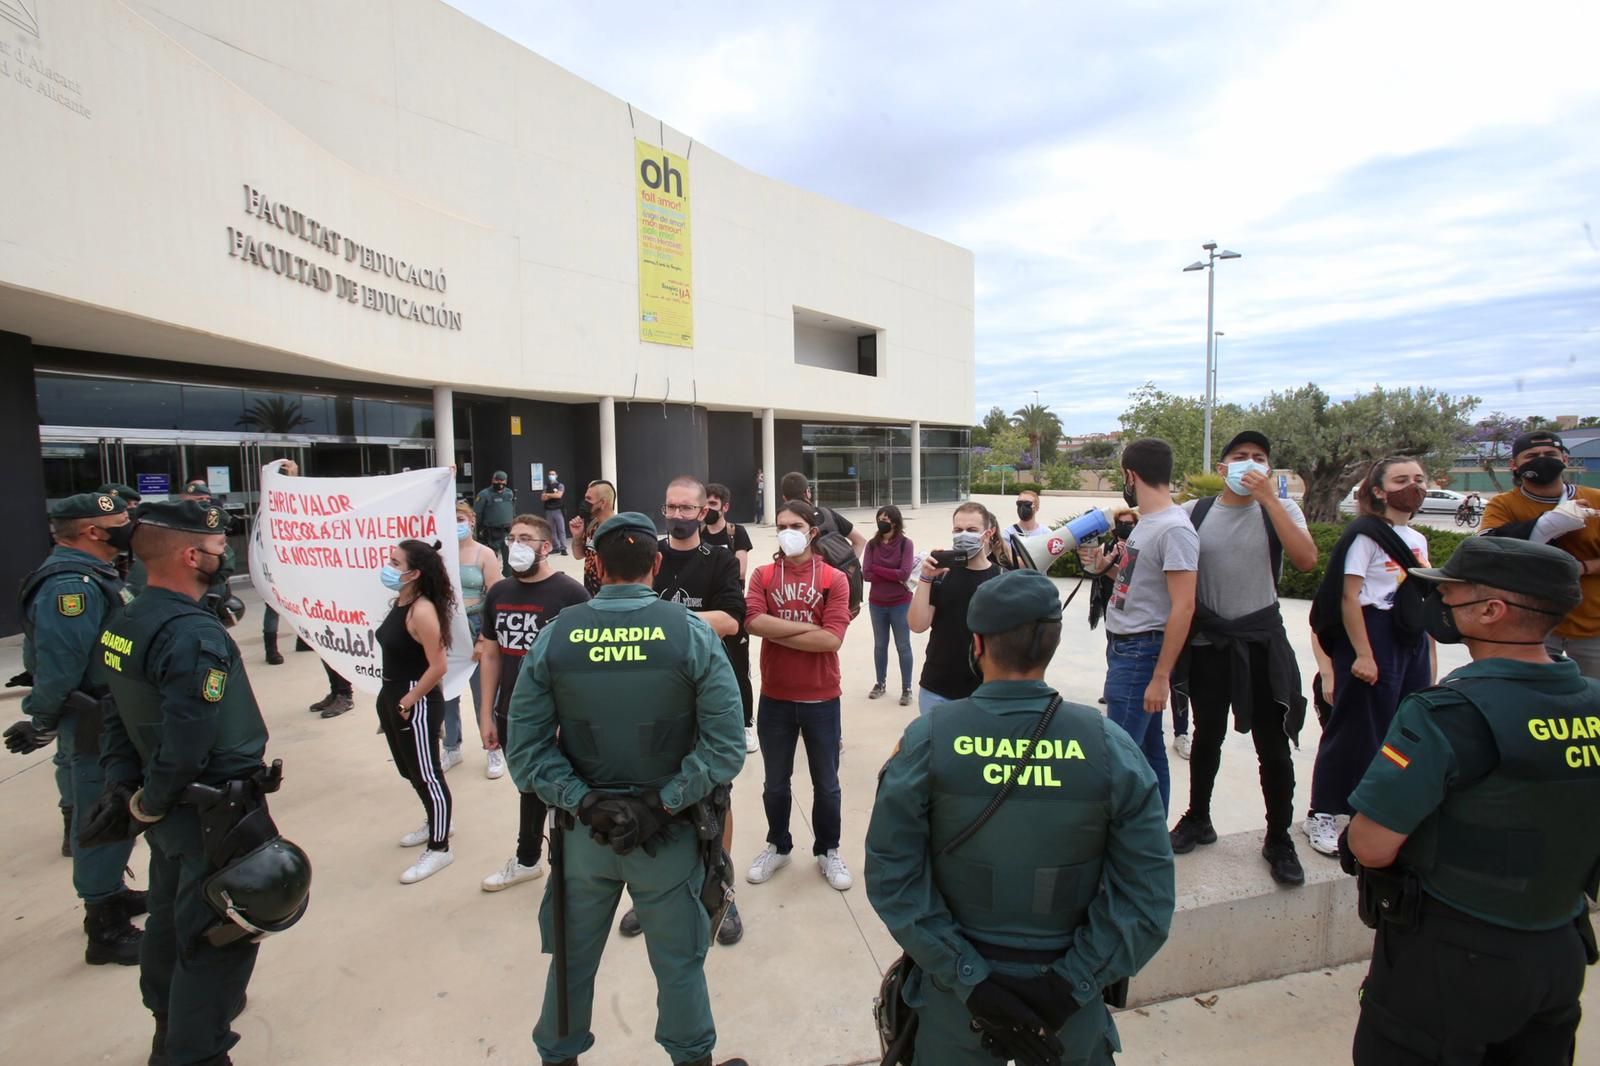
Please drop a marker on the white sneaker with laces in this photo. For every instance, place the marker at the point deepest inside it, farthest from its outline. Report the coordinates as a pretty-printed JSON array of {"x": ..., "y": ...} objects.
[
  {"x": 834, "y": 869},
  {"x": 511, "y": 873},
  {"x": 1322, "y": 832},
  {"x": 497, "y": 765},
  {"x": 751, "y": 744},
  {"x": 450, "y": 759},
  {"x": 765, "y": 865},
  {"x": 419, "y": 836},
  {"x": 1182, "y": 745},
  {"x": 429, "y": 864}
]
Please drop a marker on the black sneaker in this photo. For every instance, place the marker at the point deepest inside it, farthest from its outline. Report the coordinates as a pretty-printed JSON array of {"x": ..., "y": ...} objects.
[
  {"x": 629, "y": 926},
  {"x": 338, "y": 706},
  {"x": 1281, "y": 858},
  {"x": 732, "y": 930},
  {"x": 1190, "y": 831}
]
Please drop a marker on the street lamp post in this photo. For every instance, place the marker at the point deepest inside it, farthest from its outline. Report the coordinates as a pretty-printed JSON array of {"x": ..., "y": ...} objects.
[
  {"x": 1210, "y": 264},
  {"x": 1216, "y": 364}
]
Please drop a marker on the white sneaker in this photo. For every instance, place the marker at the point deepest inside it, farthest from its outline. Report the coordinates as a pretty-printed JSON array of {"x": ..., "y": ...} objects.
[
  {"x": 419, "y": 836},
  {"x": 513, "y": 872},
  {"x": 450, "y": 759},
  {"x": 766, "y": 864},
  {"x": 497, "y": 765},
  {"x": 1322, "y": 831},
  {"x": 430, "y": 863},
  {"x": 750, "y": 742},
  {"x": 834, "y": 869},
  {"x": 1182, "y": 745}
]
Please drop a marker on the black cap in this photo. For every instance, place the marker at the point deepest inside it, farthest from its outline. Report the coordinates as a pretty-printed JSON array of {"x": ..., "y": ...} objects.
[
  {"x": 1512, "y": 565},
  {"x": 1013, "y": 599},
  {"x": 1538, "y": 438},
  {"x": 114, "y": 488},
  {"x": 185, "y": 516},
  {"x": 197, "y": 488},
  {"x": 498, "y": 475},
  {"x": 626, "y": 522},
  {"x": 1246, "y": 436},
  {"x": 89, "y": 505}
]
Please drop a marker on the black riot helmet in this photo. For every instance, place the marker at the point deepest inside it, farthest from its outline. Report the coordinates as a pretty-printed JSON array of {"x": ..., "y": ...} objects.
[{"x": 264, "y": 891}]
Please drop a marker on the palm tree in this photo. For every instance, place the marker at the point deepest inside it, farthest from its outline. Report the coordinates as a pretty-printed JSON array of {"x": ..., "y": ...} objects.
[
  {"x": 274, "y": 414},
  {"x": 1042, "y": 425}
]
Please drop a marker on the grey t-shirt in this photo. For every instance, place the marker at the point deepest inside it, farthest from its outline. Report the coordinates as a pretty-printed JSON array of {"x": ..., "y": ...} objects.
[
  {"x": 1160, "y": 542},
  {"x": 1236, "y": 575}
]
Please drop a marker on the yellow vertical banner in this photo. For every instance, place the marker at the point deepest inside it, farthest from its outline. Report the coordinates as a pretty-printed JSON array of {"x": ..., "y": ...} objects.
[{"x": 666, "y": 275}]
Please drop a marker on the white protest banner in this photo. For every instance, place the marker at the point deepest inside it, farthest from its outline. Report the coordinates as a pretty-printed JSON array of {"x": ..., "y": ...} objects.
[{"x": 317, "y": 550}]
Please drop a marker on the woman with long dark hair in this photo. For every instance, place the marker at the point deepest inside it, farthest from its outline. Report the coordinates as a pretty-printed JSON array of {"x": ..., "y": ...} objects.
[
  {"x": 413, "y": 639},
  {"x": 887, "y": 566}
]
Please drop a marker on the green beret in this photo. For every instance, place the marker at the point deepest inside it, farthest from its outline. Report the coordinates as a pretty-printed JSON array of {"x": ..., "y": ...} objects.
[
  {"x": 1013, "y": 599},
  {"x": 89, "y": 505},
  {"x": 1512, "y": 565},
  {"x": 127, "y": 492},
  {"x": 627, "y": 521},
  {"x": 186, "y": 516},
  {"x": 498, "y": 475},
  {"x": 197, "y": 488}
]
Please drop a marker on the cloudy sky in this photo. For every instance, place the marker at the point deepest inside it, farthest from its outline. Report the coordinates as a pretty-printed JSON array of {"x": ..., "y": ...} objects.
[{"x": 1415, "y": 187}]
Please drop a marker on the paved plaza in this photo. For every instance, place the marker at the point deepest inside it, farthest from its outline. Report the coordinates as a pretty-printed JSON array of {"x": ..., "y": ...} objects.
[{"x": 443, "y": 973}]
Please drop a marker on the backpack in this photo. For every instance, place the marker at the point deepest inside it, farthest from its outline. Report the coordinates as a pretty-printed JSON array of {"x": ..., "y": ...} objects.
[
  {"x": 1274, "y": 545},
  {"x": 837, "y": 551}
]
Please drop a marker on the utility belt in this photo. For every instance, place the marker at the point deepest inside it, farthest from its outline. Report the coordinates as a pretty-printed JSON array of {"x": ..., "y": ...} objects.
[
  {"x": 234, "y": 819},
  {"x": 1395, "y": 897},
  {"x": 1115, "y": 995}
]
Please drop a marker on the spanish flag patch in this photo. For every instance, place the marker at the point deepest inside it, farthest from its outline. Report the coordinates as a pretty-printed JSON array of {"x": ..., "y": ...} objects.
[{"x": 1394, "y": 756}]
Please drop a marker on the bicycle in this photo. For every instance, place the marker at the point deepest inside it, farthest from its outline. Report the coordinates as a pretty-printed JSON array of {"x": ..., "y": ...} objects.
[{"x": 1471, "y": 511}]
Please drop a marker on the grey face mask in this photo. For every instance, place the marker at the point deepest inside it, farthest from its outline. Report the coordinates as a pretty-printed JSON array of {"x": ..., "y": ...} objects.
[{"x": 967, "y": 541}]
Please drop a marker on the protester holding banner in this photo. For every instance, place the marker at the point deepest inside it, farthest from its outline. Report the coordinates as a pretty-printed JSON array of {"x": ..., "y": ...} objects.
[
  {"x": 413, "y": 640},
  {"x": 478, "y": 567}
]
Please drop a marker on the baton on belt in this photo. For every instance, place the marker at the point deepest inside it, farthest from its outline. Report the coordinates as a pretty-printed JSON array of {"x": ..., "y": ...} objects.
[{"x": 558, "y": 917}]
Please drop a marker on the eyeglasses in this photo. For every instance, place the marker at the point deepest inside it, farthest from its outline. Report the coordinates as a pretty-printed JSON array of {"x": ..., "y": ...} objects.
[
  {"x": 682, "y": 510},
  {"x": 526, "y": 540}
]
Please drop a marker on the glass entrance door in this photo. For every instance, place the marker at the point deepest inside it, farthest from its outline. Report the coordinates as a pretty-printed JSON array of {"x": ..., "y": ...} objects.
[
  {"x": 73, "y": 466},
  {"x": 154, "y": 468}
]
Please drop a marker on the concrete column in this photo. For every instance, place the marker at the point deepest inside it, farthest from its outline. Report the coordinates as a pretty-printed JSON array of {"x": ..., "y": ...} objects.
[
  {"x": 444, "y": 425},
  {"x": 916, "y": 463},
  {"x": 769, "y": 466},
  {"x": 608, "y": 440}
]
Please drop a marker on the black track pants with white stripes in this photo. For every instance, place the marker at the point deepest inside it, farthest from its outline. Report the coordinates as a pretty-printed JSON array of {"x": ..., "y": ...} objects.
[{"x": 414, "y": 743}]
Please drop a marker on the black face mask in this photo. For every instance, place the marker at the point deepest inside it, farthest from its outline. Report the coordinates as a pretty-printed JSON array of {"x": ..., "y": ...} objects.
[
  {"x": 885, "y": 528},
  {"x": 1124, "y": 530},
  {"x": 1024, "y": 510},
  {"x": 120, "y": 537},
  {"x": 682, "y": 528},
  {"x": 585, "y": 509},
  {"x": 222, "y": 573},
  {"x": 1130, "y": 494},
  {"x": 1542, "y": 469},
  {"x": 1438, "y": 620}
]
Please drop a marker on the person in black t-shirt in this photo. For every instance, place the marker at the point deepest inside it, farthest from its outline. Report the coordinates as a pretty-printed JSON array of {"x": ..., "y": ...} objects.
[
  {"x": 514, "y": 611},
  {"x": 794, "y": 486},
  {"x": 705, "y": 579},
  {"x": 719, "y": 530},
  {"x": 940, "y": 603}
]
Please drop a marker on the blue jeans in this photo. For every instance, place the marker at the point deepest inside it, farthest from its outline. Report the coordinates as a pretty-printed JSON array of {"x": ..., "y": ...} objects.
[
  {"x": 1130, "y": 662},
  {"x": 779, "y": 724},
  {"x": 886, "y": 618},
  {"x": 927, "y": 701},
  {"x": 452, "y": 708}
]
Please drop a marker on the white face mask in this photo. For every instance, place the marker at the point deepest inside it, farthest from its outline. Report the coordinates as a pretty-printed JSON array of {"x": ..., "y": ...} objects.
[
  {"x": 1237, "y": 471},
  {"x": 793, "y": 542},
  {"x": 522, "y": 557}
]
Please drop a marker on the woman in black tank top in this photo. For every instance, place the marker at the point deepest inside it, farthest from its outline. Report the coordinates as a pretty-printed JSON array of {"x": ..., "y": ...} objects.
[{"x": 413, "y": 640}]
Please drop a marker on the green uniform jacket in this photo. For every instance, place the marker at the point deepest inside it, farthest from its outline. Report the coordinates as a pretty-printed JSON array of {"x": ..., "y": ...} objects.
[
  {"x": 1128, "y": 919},
  {"x": 65, "y": 616},
  {"x": 535, "y": 758},
  {"x": 495, "y": 510}
]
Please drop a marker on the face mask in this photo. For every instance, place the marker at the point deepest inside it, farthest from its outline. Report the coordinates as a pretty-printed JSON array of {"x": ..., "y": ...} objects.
[
  {"x": 220, "y": 573},
  {"x": 1130, "y": 493},
  {"x": 1024, "y": 510},
  {"x": 967, "y": 541},
  {"x": 1408, "y": 499},
  {"x": 1124, "y": 530},
  {"x": 498, "y": 486},
  {"x": 793, "y": 542},
  {"x": 120, "y": 537},
  {"x": 1438, "y": 620},
  {"x": 585, "y": 509},
  {"x": 886, "y": 528},
  {"x": 522, "y": 558},
  {"x": 390, "y": 576},
  {"x": 1237, "y": 471},
  {"x": 1542, "y": 469},
  {"x": 682, "y": 528},
  {"x": 463, "y": 531}
]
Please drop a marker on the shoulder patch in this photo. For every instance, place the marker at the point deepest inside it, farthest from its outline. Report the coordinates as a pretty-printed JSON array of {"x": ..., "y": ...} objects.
[
  {"x": 70, "y": 604},
  {"x": 215, "y": 682}
]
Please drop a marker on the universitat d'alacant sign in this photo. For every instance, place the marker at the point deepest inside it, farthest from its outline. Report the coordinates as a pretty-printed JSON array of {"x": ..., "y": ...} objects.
[{"x": 286, "y": 262}]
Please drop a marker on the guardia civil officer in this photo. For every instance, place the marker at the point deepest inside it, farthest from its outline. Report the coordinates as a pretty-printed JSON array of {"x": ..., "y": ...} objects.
[
  {"x": 1021, "y": 878},
  {"x": 1475, "y": 828},
  {"x": 494, "y": 509},
  {"x": 63, "y": 605},
  {"x": 650, "y": 721},
  {"x": 186, "y": 726}
]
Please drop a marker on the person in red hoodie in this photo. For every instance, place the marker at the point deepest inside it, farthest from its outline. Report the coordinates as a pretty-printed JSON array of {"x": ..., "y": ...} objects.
[{"x": 800, "y": 607}]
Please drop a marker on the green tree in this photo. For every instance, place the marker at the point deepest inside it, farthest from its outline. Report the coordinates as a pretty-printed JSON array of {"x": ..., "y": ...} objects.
[
  {"x": 1061, "y": 474},
  {"x": 1180, "y": 421},
  {"x": 1096, "y": 452},
  {"x": 1008, "y": 446},
  {"x": 273, "y": 414},
  {"x": 993, "y": 422},
  {"x": 1043, "y": 428},
  {"x": 1493, "y": 436},
  {"x": 1329, "y": 444}
]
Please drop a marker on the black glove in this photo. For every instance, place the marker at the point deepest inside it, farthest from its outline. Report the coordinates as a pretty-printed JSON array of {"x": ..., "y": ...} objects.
[
  {"x": 1011, "y": 1029},
  {"x": 25, "y": 737},
  {"x": 1049, "y": 996},
  {"x": 638, "y": 824},
  {"x": 595, "y": 814},
  {"x": 1347, "y": 859},
  {"x": 108, "y": 821}
]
